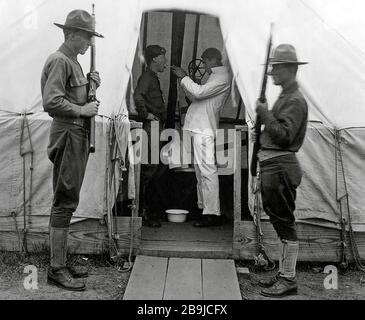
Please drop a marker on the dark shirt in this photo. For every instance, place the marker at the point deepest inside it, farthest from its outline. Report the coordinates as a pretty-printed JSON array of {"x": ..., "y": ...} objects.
[
  {"x": 286, "y": 123},
  {"x": 63, "y": 84},
  {"x": 148, "y": 96}
]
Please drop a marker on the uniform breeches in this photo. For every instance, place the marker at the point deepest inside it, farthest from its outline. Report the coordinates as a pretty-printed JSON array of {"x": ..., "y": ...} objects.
[
  {"x": 152, "y": 170},
  {"x": 280, "y": 178},
  {"x": 69, "y": 151}
]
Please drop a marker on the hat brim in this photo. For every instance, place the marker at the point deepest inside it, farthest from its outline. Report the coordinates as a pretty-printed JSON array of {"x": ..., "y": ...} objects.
[{"x": 78, "y": 28}]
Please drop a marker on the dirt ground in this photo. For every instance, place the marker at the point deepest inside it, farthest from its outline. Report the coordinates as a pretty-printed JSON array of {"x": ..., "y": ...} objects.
[
  {"x": 107, "y": 282},
  {"x": 311, "y": 284}
]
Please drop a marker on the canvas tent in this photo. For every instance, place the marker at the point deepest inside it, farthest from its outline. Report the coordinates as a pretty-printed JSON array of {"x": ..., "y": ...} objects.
[{"x": 333, "y": 84}]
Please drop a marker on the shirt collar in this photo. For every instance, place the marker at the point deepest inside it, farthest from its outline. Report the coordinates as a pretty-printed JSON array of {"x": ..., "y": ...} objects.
[
  {"x": 219, "y": 69},
  {"x": 290, "y": 89},
  {"x": 65, "y": 49}
]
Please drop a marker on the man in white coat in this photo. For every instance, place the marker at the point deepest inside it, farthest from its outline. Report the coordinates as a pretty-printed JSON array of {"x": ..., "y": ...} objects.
[{"x": 201, "y": 124}]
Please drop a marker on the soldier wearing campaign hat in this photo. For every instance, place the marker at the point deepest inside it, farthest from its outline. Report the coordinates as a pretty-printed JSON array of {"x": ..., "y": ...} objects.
[
  {"x": 280, "y": 172},
  {"x": 64, "y": 96},
  {"x": 79, "y": 20}
]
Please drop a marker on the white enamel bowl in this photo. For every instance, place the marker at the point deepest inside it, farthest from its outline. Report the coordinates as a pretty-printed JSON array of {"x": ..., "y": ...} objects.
[{"x": 176, "y": 215}]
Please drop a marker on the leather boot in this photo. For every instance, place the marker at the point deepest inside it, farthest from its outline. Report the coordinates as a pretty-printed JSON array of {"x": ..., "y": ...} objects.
[
  {"x": 152, "y": 222},
  {"x": 209, "y": 220},
  {"x": 286, "y": 284},
  {"x": 266, "y": 283},
  {"x": 78, "y": 271},
  {"x": 62, "y": 278},
  {"x": 58, "y": 274},
  {"x": 281, "y": 288}
]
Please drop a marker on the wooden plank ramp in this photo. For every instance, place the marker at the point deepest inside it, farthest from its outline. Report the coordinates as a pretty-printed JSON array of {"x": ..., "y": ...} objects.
[
  {"x": 160, "y": 278},
  {"x": 147, "y": 280},
  {"x": 183, "y": 280},
  {"x": 220, "y": 280}
]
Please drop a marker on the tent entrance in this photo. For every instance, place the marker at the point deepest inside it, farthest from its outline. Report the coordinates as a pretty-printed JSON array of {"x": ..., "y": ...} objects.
[{"x": 185, "y": 35}]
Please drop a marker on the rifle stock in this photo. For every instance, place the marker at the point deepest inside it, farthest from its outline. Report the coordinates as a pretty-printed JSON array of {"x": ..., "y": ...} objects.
[
  {"x": 256, "y": 148},
  {"x": 92, "y": 86},
  {"x": 262, "y": 98}
]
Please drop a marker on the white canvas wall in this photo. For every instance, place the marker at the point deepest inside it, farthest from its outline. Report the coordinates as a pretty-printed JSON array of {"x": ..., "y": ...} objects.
[{"x": 333, "y": 81}]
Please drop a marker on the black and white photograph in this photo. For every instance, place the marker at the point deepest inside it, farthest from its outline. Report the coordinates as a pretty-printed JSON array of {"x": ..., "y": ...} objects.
[{"x": 182, "y": 157}]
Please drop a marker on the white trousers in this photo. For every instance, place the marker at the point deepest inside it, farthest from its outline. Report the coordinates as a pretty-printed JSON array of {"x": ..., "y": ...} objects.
[{"x": 206, "y": 171}]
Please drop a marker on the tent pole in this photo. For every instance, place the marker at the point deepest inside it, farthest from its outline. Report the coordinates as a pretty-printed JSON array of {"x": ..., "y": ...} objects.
[
  {"x": 144, "y": 39},
  {"x": 145, "y": 29},
  {"x": 196, "y": 36},
  {"x": 177, "y": 42}
]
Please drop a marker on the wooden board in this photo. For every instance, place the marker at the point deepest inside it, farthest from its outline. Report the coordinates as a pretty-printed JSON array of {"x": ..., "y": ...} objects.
[
  {"x": 147, "y": 280},
  {"x": 317, "y": 243},
  {"x": 187, "y": 232},
  {"x": 201, "y": 253},
  {"x": 186, "y": 241},
  {"x": 220, "y": 280},
  {"x": 37, "y": 223},
  {"x": 85, "y": 237},
  {"x": 237, "y": 185},
  {"x": 183, "y": 280}
]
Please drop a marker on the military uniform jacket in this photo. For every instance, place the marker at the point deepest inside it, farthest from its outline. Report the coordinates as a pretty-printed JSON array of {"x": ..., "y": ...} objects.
[
  {"x": 286, "y": 123},
  {"x": 63, "y": 84},
  {"x": 148, "y": 96}
]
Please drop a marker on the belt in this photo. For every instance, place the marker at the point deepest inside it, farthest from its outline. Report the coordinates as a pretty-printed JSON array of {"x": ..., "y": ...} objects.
[
  {"x": 265, "y": 154},
  {"x": 76, "y": 121}
]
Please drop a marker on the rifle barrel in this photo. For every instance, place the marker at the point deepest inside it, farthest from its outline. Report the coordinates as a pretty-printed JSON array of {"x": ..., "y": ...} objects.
[
  {"x": 92, "y": 84},
  {"x": 262, "y": 98}
]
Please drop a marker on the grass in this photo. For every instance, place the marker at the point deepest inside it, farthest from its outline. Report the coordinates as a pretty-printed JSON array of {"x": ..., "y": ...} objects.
[
  {"x": 40, "y": 258},
  {"x": 14, "y": 262},
  {"x": 106, "y": 281},
  {"x": 316, "y": 267}
]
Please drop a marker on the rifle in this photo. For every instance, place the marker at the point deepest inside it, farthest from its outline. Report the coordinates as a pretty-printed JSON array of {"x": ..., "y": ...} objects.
[
  {"x": 92, "y": 85},
  {"x": 262, "y": 260},
  {"x": 262, "y": 98}
]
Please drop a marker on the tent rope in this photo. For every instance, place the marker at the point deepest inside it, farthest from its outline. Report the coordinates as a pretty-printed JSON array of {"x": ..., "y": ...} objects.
[
  {"x": 21, "y": 243},
  {"x": 344, "y": 260},
  {"x": 23, "y": 152},
  {"x": 118, "y": 129},
  {"x": 117, "y": 157},
  {"x": 262, "y": 260},
  {"x": 353, "y": 244}
]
